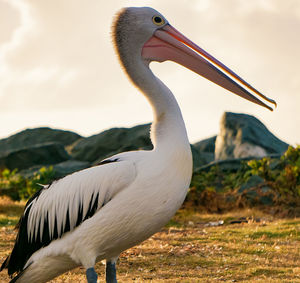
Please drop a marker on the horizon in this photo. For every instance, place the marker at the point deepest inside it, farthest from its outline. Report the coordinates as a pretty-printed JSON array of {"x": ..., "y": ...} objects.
[
  {"x": 82, "y": 136},
  {"x": 52, "y": 55}
]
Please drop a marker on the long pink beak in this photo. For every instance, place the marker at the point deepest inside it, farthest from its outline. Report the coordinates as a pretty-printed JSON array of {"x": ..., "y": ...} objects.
[{"x": 169, "y": 44}]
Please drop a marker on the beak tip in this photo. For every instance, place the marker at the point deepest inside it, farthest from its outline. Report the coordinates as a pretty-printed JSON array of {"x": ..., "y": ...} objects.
[
  {"x": 275, "y": 104},
  {"x": 268, "y": 107}
]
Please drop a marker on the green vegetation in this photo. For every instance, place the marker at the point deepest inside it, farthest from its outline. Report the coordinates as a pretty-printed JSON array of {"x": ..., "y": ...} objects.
[
  {"x": 275, "y": 178},
  {"x": 18, "y": 187}
]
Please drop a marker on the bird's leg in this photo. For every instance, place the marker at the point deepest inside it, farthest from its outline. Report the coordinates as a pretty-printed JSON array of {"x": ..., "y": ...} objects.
[
  {"x": 111, "y": 272},
  {"x": 91, "y": 275}
]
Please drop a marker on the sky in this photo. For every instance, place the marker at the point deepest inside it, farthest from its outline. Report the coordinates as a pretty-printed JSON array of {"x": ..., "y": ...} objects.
[{"x": 58, "y": 67}]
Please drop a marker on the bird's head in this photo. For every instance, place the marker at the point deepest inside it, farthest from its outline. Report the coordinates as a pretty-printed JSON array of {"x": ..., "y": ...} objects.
[{"x": 146, "y": 35}]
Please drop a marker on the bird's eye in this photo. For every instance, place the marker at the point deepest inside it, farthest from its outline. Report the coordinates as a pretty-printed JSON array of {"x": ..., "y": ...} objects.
[{"x": 157, "y": 20}]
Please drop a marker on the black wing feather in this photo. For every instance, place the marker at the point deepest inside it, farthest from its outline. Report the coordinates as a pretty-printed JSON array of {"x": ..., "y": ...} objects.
[{"x": 24, "y": 248}]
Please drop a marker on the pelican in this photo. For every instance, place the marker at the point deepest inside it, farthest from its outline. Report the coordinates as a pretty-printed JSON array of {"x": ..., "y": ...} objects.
[{"x": 97, "y": 213}]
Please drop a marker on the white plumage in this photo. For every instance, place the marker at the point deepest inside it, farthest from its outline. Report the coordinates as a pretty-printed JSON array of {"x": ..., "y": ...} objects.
[
  {"x": 136, "y": 197},
  {"x": 99, "y": 212},
  {"x": 74, "y": 193}
]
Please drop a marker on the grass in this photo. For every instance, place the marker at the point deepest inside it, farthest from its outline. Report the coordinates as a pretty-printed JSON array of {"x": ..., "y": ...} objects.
[{"x": 188, "y": 249}]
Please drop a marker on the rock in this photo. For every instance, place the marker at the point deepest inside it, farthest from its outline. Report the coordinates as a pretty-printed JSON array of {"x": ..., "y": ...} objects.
[
  {"x": 230, "y": 165},
  {"x": 27, "y": 149},
  {"x": 113, "y": 141},
  {"x": 233, "y": 165},
  {"x": 68, "y": 167},
  {"x": 199, "y": 159},
  {"x": 29, "y": 172},
  {"x": 207, "y": 145},
  {"x": 208, "y": 157},
  {"x": 252, "y": 182},
  {"x": 243, "y": 135},
  {"x": 267, "y": 200},
  {"x": 60, "y": 169},
  {"x": 255, "y": 196},
  {"x": 31, "y": 137},
  {"x": 207, "y": 149},
  {"x": 41, "y": 154},
  {"x": 256, "y": 192},
  {"x": 96, "y": 148},
  {"x": 214, "y": 223}
]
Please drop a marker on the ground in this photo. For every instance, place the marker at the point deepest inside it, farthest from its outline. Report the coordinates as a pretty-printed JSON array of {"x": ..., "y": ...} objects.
[{"x": 191, "y": 248}]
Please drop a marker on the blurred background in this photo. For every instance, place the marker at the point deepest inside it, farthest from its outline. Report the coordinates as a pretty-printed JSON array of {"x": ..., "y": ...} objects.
[{"x": 58, "y": 67}]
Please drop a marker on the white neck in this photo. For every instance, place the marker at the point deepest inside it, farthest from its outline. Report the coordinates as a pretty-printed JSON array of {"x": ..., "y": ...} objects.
[{"x": 168, "y": 129}]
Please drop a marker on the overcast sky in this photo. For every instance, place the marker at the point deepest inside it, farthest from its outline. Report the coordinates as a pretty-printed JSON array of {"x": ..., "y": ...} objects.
[{"x": 58, "y": 67}]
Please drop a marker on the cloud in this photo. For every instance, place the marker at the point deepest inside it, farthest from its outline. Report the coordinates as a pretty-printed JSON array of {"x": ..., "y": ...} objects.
[{"x": 10, "y": 20}]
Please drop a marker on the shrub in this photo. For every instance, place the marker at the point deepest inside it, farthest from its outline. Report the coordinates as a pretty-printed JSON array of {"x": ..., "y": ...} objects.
[
  {"x": 281, "y": 176},
  {"x": 18, "y": 187}
]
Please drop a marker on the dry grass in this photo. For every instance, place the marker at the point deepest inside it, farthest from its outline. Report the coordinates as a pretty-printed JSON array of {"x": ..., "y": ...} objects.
[{"x": 188, "y": 250}]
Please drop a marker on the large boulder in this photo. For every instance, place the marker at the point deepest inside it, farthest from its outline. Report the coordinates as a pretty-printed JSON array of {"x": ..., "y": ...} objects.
[
  {"x": 41, "y": 154},
  {"x": 207, "y": 145},
  {"x": 112, "y": 141},
  {"x": 31, "y": 137},
  {"x": 60, "y": 169},
  {"x": 199, "y": 159},
  {"x": 95, "y": 148},
  {"x": 68, "y": 167},
  {"x": 228, "y": 165},
  {"x": 243, "y": 136},
  {"x": 207, "y": 149}
]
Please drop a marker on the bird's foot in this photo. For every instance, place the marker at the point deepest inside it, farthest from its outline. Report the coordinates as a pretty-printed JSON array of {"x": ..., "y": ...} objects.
[
  {"x": 91, "y": 275},
  {"x": 111, "y": 272}
]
